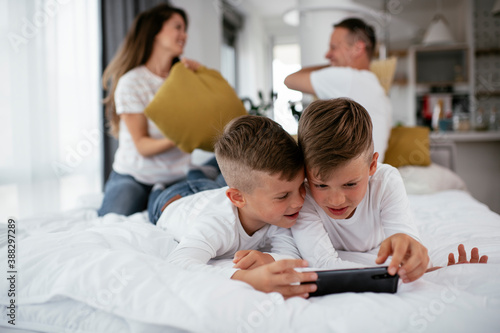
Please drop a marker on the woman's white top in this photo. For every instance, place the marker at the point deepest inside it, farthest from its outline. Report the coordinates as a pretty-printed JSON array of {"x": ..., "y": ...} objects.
[{"x": 134, "y": 92}]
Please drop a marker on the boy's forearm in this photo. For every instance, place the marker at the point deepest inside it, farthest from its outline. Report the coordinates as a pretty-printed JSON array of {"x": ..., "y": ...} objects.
[
  {"x": 283, "y": 245},
  {"x": 196, "y": 259}
]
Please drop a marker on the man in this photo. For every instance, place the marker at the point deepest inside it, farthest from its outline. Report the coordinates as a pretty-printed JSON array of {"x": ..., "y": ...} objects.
[{"x": 351, "y": 49}]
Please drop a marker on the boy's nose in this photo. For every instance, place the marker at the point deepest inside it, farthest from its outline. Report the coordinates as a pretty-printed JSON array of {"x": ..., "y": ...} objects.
[{"x": 336, "y": 199}]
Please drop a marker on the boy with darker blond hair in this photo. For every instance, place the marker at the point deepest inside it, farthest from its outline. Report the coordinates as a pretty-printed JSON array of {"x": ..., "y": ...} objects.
[
  {"x": 352, "y": 203},
  {"x": 263, "y": 168}
]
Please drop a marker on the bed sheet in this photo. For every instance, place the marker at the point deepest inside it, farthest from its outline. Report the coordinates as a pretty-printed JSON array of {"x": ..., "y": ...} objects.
[{"x": 80, "y": 273}]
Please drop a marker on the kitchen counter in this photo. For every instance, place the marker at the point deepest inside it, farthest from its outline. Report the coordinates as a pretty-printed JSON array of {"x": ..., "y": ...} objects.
[
  {"x": 477, "y": 162},
  {"x": 470, "y": 136}
]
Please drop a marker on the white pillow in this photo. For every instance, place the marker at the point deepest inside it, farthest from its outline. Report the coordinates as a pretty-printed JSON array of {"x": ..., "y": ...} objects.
[{"x": 430, "y": 179}]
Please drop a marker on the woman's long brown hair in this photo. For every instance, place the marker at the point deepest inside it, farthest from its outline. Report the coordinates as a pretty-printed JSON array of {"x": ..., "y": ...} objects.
[{"x": 134, "y": 51}]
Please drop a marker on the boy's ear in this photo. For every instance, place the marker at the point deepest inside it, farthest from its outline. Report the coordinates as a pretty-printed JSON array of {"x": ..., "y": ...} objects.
[
  {"x": 236, "y": 197},
  {"x": 373, "y": 164}
]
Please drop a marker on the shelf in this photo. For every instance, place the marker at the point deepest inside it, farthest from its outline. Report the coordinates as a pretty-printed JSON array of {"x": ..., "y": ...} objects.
[
  {"x": 484, "y": 52},
  {"x": 398, "y": 53},
  {"x": 443, "y": 83},
  {"x": 470, "y": 136},
  {"x": 494, "y": 93},
  {"x": 457, "y": 88},
  {"x": 432, "y": 48},
  {"x": 400, "y": 82},
  {"x": 441, "y": 65}
]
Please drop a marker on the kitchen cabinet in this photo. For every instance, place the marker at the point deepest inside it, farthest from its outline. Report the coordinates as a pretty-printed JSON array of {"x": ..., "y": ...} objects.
[{"x": 440, "y": 77}]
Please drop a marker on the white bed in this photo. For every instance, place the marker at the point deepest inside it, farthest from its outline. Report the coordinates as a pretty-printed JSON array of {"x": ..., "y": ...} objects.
[{"x": 80, "y": 273}]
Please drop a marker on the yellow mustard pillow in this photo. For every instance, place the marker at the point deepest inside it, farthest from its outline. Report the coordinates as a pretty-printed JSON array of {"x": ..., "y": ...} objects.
[
  {"x": 408, "y": 146},
  {"x": 192, "y": 108}
]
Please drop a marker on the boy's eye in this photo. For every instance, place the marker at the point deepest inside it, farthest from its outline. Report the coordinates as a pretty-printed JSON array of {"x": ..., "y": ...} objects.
[
  {"x": 283, "y": 197},
  {"x": 351, "y": 184},
  {"x": 320, "y": 185}
]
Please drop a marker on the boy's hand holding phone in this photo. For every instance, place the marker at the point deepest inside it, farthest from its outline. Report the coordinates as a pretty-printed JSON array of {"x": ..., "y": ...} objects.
[
  {"x": 280, "y": 276},
  {"x": 250, "y": 259},
  {"x": 406, "y": 252}
]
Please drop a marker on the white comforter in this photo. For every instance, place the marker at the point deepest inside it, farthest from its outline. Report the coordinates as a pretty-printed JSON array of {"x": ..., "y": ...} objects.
[{"x": 79, "y": 273}]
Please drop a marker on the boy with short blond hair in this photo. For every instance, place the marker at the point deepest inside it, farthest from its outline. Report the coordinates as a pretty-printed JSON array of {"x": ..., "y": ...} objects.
[
  {"x": 264, "y": 170},
  {"x": 326, "y": 148},
  {"x": 256, "y": 144},
  {"x": 352, "y": 203}
]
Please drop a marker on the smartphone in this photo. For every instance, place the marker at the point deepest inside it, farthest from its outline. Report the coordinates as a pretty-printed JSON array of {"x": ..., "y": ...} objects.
[{"x": 366, "y": 279}]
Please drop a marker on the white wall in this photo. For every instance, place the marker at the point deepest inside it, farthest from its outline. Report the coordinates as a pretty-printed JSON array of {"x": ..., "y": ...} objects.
[
  {"x": 204, "y": 30},
  {"x": 205, "y": 40},
  {"x": 315, "y": 28},
  {"x": 254, "y": 67}
]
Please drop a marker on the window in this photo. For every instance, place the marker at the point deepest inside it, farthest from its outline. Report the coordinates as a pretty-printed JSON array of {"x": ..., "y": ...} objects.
[
  {"x": 50, "y": 105},
  {"x": 232, "y": 22},
  {"x": 286, "y": 60}
]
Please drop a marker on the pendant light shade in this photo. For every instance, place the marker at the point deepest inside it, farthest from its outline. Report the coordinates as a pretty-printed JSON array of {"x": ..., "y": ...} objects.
[{"x": 438, "y": 32}]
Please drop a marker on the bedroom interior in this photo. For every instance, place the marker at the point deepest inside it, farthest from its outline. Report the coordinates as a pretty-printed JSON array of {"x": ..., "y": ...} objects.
[{"x": 56, "y": 156}]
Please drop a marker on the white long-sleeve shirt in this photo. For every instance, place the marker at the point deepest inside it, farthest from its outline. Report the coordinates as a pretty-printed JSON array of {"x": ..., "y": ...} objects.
[
  {"x": 384, "y": 211},
  {"x": 363, "y": 87},
  {"x": 207, "y": 226}
]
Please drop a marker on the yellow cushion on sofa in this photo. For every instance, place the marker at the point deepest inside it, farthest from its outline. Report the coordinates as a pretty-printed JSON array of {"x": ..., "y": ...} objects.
[
  {"x": 192, "y": 108},
  {"x": 408, "y": 146}
]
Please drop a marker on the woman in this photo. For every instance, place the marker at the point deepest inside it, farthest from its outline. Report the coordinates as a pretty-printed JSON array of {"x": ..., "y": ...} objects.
[{"x": 144, "y": 156}]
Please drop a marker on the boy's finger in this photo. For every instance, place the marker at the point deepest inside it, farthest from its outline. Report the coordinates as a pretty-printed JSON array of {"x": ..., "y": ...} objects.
[
  {"x": 474, "y": 256},
  {"x": 302, "y": 290},
  {"x": 308, "y": 276},
  {"x": 240, "y": 254},
  {"x": 462, "y": 254},
  {"x": 398, "y": 255},
  {"x": 483, "y": 260},
  {"x": 282, "y": 265},
  {"x": 244, "y": 263},
  {"x": 451, "y": 259},
  {"x": 291, "y": 276},
  {"x": 383, "y": 252}
]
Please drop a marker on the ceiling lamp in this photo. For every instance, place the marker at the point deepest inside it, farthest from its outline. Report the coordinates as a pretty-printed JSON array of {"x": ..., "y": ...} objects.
[
  {"x": 292, "y": 16},
  {"x": 438, "y": 31}
]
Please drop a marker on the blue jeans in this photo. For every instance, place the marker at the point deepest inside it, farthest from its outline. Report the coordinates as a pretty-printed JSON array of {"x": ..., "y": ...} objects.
[
  {"x": 124, "y": 195},
  {"x": 184, "y": 188}
]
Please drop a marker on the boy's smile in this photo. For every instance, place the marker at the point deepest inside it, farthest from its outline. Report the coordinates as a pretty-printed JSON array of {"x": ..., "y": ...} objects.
[
  {"x": 274, "y": 201},
  {"x": 345, "y": 189},
  {"x": 338, "y": 211}
]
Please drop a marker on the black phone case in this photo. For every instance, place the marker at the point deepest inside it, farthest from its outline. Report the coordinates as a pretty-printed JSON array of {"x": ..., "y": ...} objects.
[{"x": 370, "y": 279}]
